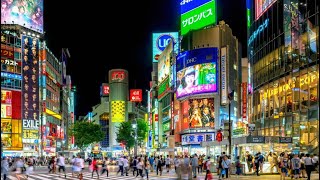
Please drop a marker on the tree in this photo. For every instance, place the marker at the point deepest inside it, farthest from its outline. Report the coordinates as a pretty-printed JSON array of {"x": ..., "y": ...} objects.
[
  {"x": 125, "y": 134},
  {"x": 85, "y": 133},
  {"x": 142, "y": 130}
]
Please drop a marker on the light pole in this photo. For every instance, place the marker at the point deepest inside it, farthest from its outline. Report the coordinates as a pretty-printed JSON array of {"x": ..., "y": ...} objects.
[
  {"x": 134, "y": 126},
  {"x": 230, "y": 96}
]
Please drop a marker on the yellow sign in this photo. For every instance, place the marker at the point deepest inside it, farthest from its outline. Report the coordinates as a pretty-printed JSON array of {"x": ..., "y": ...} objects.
[
  {"x": 118, "y": 111},
  {"x": 54, "y": 114},
  {"x": 30, "y": 134}
]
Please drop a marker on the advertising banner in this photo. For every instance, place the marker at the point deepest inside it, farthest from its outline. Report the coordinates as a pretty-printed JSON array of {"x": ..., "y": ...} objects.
[
  {"x": 262, "y": 6},
  {"x": 25, "y": 13},
  {"x": 176, "y": 120},
  {"x": 30, "y": 80},
  {"x": 105, "y": 90},
  {"x": 185, "y": 115},
  {"x": 199, "y": 17},
  {"x": 6, "y": 111},
  {"x": 160, "y": 42},
  {"x": 164, "y": 87},
  {"x": 135, "y": 95},
  {"x": 187, "y": 5},
  {"x": 6, "y": 97},
  {"x": 244, "y": 101},
  {"x": 30, "y": 134},
  {"x": 197, "y": 72},
  {"x": 223, "y": 73},
  {"x": 118, "y": 111},
  {"x": 164, "y": 62},
  {"x": 197, "y": 138},
  {"x": 118, "y": 75},
  {"x": 201, "y": 113},
  {"x": 6, "y": 53}
]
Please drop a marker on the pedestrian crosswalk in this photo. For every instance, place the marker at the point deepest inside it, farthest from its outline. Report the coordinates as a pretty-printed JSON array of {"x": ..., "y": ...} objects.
[{"x": 86, "y": 176}]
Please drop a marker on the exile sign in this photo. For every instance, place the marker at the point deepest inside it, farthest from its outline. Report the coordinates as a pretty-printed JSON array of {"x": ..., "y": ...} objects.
[{"x": 30, "y": 124}]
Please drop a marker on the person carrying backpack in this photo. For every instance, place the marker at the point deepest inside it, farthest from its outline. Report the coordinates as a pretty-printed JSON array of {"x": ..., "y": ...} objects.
[{"x": 296, "y": 164}]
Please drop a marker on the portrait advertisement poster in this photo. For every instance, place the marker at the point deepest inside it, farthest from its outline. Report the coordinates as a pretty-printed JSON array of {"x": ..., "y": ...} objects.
[
  {"x": 30, "y": 81},
  {"x": 201, "y": 113},
  {"x": 197, "y": 72}
]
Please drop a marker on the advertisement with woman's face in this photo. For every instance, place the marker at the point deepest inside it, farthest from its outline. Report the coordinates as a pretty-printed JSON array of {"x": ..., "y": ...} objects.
[{"x": 197, "y": 79}]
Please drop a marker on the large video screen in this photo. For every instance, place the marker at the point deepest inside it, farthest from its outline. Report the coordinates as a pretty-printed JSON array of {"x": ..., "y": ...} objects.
[
  {"x": 197, "y": 16},
  {"x": 201, "y": 113},
  {"x": 27, "y": 13},
  {"x": 197, "y": 72}
]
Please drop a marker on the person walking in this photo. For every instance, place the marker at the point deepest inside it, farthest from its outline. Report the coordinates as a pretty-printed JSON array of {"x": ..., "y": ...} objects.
[
  {"x": 283, "y": 165},
  {"x": 125, "y": 165},
  {"x": 257, "y": 163},
  {"x": 30, "y": 167},
  {"x": 296, "y": 164},
  {"x": 177, "y": 166},
  {"x": 147, "y": 166},
  {"x": 200, "y": 164},
  {"x": 208, "y": 167},
  {"x": 140, "y": 167},
  {"x": 194, "y": 165},
  {"x": 62, "y": 165},
  {"x": 151, "y": 161},
  {"x": 159, "y": 166},
  {"x": 316, "y": 162},
  {"x": 308, "y": 162},
  {"x": 94, "y": 167},
  {"x": 120, "y": 164},
  {"x": 238, "y": 166},
  {"x": 105, "y": 166},
  {"x": 4, "y": 167},
  {"x": 226, "y": 165}
]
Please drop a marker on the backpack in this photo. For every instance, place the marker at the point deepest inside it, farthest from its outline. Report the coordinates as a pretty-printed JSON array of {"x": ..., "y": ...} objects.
[
  {"x": 295, "y": 163},
  {"x": 134, "y": 162},
  {"x": 238, "y": 165}
]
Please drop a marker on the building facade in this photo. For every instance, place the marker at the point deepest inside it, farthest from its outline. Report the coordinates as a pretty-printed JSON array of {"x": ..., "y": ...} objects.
[{"x": 283, "y": 51}]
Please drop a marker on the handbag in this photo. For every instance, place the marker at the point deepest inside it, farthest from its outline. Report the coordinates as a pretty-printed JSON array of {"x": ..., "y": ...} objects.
[{"x": 223, "y": 172}]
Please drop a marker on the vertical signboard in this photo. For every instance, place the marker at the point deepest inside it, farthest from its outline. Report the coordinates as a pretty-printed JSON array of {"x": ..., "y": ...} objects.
[
  {"x": 223, "y": 70},
  {"x": 105, "y": 90},
  {"x": 30, "y": 80},
  {"x": 118, "y": 111},
  {"x": 135, "y": 95},
  {"x": 244, "y": 101}
]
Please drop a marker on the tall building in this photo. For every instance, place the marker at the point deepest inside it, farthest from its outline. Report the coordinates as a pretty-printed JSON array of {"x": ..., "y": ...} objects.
[
  {"x": 51, "y": 103},
  {"x": 208, "y": 70},
  {"x": 283, "y": 51}
]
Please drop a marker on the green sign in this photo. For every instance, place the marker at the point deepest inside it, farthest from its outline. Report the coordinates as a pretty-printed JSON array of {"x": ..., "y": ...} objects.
[
  {"x": 166, "y": 126},
  {"x": 198, "y": 18},
  {"x": 163, "y": 88},
  {"x": 239, "y": 131}
]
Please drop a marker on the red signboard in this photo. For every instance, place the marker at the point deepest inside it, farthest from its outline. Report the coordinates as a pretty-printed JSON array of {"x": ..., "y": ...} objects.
[
  {"x": 136, "y": 95},
  {"x": 244, "y": 100},
  {"x": 156, "y": 117},
  {"x": 6, "y": 53},
  {"x": 6, "y": 97},
  {"x": 105, "y": 90},
  {"x": 118, "y": 75}
]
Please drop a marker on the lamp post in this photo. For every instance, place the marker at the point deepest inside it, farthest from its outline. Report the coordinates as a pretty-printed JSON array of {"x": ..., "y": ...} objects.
[
  {"x": 134, "y": 126},
  {"x": 230, "y": 97}
]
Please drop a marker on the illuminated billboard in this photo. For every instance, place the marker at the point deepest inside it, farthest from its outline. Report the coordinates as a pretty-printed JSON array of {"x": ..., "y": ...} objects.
[
  {"x": 27, "y": 13},
  {"x": 135, "y": 95},
  {"x": 30, "y": 80},
  {"x": 118, "y": 111},
  {"x": 164, "y": 63},
  {"x": 262, "y": 6},
  {"x": 199, "y": 17},
  {"x": 197, "y": 72},
  {"x": 160, "y": 42},
  {"x": 201, "y": 113}
]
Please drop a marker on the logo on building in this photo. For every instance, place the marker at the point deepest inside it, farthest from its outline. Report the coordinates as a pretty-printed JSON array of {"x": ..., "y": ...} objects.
[{"x": 163, "y": 41}]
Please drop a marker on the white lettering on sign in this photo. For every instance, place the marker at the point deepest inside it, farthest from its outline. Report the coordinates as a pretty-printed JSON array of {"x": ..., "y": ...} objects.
[
  {"x": 224, "y": 93},
  {"x": 30, "y": 124}
]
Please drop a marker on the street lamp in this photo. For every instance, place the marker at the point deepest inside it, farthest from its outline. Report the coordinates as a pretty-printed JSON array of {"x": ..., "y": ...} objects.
[{"x": 134, "y": 126}]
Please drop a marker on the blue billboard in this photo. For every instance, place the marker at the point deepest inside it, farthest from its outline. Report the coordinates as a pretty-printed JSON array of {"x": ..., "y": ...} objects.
[
  {"x": 160, "y": 42},
  {"x": 197, "y": 72},
  {"x": 188, "y": 5}
]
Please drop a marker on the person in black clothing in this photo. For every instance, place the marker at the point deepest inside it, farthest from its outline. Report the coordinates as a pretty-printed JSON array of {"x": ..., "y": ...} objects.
[
  {"x": 159, "y": 165},
  {"x": 105, "y": 166},
  {"x": 256, "y": 163}
]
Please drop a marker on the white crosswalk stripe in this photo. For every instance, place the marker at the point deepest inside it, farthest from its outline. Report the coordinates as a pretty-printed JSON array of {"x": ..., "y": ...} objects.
[{"x": 86, "y": 176}]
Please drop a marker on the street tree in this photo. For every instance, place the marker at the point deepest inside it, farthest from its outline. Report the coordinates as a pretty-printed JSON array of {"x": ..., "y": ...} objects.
[
  {"x": 125, "y": 135},
  {"x": 86, "y": 133},
  {"x": 142, "y": 131}
]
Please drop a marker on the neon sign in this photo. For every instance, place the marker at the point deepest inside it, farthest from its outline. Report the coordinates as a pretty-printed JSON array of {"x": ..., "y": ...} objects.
[{"x": 258, "y": 31}]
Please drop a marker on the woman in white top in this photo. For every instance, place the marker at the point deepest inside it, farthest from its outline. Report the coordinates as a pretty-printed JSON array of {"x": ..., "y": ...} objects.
[
  {"x": 147, "y": 167},
  {"x": 140, "y": 167}
]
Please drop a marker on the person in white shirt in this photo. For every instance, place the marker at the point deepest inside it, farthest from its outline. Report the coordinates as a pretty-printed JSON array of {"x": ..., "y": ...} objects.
[
  {"x": 168, "y": 163},
  {"x": 308, "y": 162},
  {"x": 208, "y": 165},
  {"x": 62, "y": 165},
  {"x": 77, "y": 165},
  {"x": 226, "y": 165},
  {"x": 120, "y": 164},
  {"x": 316, "y": 162},
  {"x": 177, "y": 165},
  {"x": 140, "y": 167},
  {"x": 125, "y": 165}
]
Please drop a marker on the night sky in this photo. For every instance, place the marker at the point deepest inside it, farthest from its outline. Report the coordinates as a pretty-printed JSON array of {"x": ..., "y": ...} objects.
[{"x": 77, "y": 25}]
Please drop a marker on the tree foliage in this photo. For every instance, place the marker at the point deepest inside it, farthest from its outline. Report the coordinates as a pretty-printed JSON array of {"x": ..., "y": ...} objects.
[
  {"x": 85, "y": 133},
  {"x": 125, "y": 134},
  {"x": 142, "y": 130}
]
